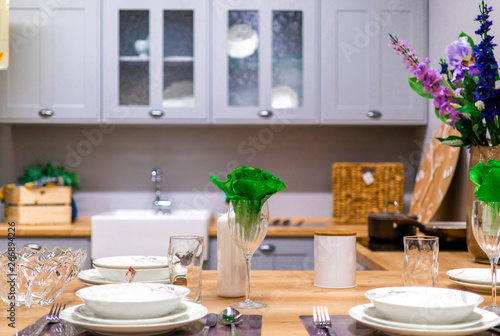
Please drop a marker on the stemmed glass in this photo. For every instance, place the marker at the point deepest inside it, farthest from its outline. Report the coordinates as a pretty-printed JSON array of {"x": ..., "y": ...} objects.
[
  {"x": 248, "y": 230},
  {"x": 486, "y": 229}
]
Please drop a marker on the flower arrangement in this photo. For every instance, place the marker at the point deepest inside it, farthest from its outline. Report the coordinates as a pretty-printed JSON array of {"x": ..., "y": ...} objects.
[{"x": 464, "y": 92}]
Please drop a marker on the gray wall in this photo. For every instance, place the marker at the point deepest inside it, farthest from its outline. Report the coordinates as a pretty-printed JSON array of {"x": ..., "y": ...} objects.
[{"x": 115, "y": 168}]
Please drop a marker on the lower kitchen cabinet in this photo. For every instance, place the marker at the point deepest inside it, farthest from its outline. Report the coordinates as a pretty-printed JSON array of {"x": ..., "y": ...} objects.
[
  {"x": 63, "y": 242},
  {"x": 276, "y": 254}
]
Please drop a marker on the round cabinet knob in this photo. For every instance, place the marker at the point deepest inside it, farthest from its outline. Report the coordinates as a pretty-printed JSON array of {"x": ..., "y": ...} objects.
[
  {"x": 156, "y": 113},
  {"x": 267, "y": 248},
  {"x": 374, "y": 114},
  {"x": 265, "y": 114},
  {"x": 46, "y": 113}
]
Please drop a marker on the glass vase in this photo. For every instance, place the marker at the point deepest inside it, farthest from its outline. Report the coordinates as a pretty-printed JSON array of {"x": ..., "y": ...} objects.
[
  {"x": 248, "y": 223},
  {"x": 477, "y": 154}
]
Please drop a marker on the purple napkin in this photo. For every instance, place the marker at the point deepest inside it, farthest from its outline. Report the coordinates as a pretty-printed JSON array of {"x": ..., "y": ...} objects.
[
  {"x": 344, "y": 325},
  {"x": 251, "y": 326}
]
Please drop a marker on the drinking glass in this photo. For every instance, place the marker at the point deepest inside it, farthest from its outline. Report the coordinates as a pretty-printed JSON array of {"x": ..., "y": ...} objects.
[
  {"x": 248, "y": 227},
  {"x": 486, "y": 229},
  {"x": 185, "y": 261},
  {"x": 421, "y": 266}
]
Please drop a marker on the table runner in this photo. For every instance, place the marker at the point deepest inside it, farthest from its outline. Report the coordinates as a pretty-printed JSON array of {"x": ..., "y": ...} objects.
[
  {"x": 251, "y": 326},
  {"x": 344, "y": 325}
]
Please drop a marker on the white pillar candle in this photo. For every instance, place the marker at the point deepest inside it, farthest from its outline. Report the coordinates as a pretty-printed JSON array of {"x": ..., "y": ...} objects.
[{"x": 231, "y": 268}]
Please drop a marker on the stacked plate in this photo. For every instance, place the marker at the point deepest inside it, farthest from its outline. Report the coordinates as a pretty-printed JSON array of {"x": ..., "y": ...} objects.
[
  {"x": 133, "y": 308},
  {"x": 475, "y": 279},
  {"x": 424, "y": 311},
  {"x": 113, "y": 270}
]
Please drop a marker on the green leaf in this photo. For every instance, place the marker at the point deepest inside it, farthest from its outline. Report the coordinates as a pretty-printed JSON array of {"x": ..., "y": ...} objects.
[
  {"x": 487, "y": 179},
  {"x": 252, "y": 185},
  {"x": 471, "y": 109},
  {"x": 418, "y": 88},
  {"x": 469, "y": 39},
  {"x": 452, "y": 140}
]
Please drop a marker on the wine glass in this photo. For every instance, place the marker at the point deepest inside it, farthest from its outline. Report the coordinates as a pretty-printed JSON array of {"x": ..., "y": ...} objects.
[
  {"x": 248, "y": 227},
  {"x": 486, "y": 229}
]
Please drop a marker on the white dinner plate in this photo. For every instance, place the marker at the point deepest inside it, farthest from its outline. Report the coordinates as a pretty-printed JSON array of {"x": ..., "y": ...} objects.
[
  {"x": 474, "y": 287},
  {"x": 137, "y": 262},
  {"x": 85, "y": 313},
  {"x": 194, "y": 312},
  {"x": 481, "y": 276},
  {"x": 489, "y": 320},
  {"x": 373, "y": 314},
  {"x": 93, "y": 277}
]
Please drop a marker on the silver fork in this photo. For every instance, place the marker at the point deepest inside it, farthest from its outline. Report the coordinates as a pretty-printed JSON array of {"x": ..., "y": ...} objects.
[
  {"x": 52, "y": 317},
  {"x": 321, "y": 319}
]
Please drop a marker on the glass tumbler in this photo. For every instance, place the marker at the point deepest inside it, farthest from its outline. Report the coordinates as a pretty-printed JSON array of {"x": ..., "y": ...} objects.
[
  {"x": 421, "y": 266},
  {"x": 185, "y": 261}
]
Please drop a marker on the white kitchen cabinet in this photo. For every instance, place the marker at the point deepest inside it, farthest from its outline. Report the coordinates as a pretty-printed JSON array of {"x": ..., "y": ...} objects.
[
  {"x": 54, "y": 71},
  {"x": 155, "y": 61},
  {"x": 362, "y": 80},
  {"x": 265, "y": 61}
]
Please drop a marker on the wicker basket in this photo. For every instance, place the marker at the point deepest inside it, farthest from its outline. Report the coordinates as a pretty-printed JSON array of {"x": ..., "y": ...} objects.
[{"x": 353, "y": 198}]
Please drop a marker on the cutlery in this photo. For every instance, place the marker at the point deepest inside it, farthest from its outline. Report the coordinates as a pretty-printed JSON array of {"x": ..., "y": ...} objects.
[
  {"x": 321, "y": 319},
  {"x": 231, "y": 316},
  {"x": 211, "y": 321},
  {"x": 52, "y": 317}
]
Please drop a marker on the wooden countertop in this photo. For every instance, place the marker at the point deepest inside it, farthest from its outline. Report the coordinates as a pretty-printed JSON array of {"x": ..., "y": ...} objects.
[
  {"x": 288, "y": 294},
  {"x": 80, "y": 228},
  {"x": 304, "y": 230}
]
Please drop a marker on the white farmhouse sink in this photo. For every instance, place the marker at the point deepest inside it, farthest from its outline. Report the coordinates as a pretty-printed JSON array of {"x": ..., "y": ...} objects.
[{"x": 143, "y": 232}]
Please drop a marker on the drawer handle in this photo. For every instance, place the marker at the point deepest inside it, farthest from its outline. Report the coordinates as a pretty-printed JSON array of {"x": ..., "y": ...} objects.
[
  {"x": 156, "y": 113},
  {"x": 374, "y": 114},
  {"x": 265, "y": 114},
  {"x": 46, "y": 113},
  {"x": 267, "y": 248}
]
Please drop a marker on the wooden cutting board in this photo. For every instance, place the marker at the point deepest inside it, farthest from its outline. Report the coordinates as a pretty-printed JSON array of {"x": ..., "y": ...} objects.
[{"x": 434, "y": 176}]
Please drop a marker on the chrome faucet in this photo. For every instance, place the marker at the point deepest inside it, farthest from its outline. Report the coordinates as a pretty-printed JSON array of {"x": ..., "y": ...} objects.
[{"x": 161, "y": 206}]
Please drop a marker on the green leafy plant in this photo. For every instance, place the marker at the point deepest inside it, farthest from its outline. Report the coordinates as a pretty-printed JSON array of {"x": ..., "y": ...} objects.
[
  {"x": 249, "y": 184},
  {"x": 37, "y": 171}
]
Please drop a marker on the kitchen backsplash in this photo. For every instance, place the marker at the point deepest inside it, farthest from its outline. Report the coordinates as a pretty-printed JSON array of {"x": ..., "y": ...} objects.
[{"x": 115, "y": 166}]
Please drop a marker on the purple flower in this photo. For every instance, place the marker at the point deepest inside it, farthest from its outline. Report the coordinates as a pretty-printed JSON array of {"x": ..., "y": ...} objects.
[{"x": 460, "y": 56}]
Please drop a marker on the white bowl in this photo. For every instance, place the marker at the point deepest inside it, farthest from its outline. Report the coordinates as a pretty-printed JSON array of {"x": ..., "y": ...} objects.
[
  {"x": 117, "y": 274},
  {"x": 132, "y": 300},
  {"x": 423, "y": 305},
  {"x": 136, "y": 262}
]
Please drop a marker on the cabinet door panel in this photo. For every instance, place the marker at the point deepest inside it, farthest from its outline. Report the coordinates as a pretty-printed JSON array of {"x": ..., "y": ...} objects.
[
  {"x": 21, "y": 96},
  {"x": 360, "y": 73},
  {"x": 68, "y": 93},
  {"x": 156, "y": 72},
  {"x": 264, "y": 54},
  {"x": 54, "y": 63}
]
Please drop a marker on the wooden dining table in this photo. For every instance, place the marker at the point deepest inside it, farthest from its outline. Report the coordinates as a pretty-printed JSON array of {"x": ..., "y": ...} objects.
[{"x": 288, "y": 294}]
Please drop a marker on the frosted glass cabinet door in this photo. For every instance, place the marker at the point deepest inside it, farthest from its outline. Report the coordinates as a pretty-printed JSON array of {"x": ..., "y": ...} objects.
[
  {"x": 155, "y": 61},
  {"x": 53, "y": 74},
  {"x": 264, "y": 61},
  {"x": 362, "y": 80}
]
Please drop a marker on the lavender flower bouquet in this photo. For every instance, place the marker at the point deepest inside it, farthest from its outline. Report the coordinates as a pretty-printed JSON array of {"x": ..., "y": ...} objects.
[{"x": 465, "y": 92}]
